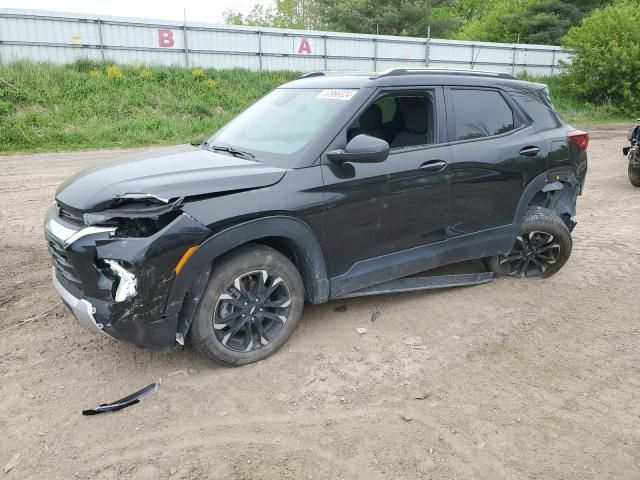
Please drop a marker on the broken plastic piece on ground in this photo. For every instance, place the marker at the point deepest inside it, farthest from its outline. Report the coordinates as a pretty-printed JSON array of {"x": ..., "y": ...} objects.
[{"x": 124, "y": 402}]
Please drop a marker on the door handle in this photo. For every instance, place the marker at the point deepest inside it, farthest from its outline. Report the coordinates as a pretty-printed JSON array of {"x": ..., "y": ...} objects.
[
  {"x": 433, "y": 166},
  {"x": 531, "y": 151}
]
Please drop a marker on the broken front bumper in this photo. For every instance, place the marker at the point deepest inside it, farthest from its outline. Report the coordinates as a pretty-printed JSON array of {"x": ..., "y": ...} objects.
[{"x": 120, "y": 285}]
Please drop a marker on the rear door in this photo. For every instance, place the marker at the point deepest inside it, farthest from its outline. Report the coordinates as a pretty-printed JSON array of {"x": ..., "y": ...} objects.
[{"x": 495, "y": 154}]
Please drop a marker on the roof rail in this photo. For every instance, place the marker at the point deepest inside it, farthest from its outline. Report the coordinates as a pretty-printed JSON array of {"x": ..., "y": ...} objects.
[
  {"x": 311, "y": 74},
  {"x": 394, "y": 72}
]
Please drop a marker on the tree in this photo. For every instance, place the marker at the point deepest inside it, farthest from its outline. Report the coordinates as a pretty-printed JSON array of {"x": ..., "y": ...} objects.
[
  {"x": 606, "y": 62},
  {"x": 498, "y": 24},
  {"x": 389, "y": 17},
  {"x": 528, "y": 21},
  {"x": 297, "y": 14}
]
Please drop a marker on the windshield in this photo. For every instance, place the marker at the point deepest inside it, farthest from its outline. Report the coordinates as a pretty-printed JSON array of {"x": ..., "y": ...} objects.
[{"x": 283, "y": 122}]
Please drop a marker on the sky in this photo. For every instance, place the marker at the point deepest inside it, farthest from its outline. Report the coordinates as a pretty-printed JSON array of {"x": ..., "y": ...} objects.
[{"x": 208, "y": 11}]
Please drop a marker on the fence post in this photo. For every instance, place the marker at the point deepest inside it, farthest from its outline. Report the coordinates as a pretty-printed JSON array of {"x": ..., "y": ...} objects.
[
  {"x": 375, "y": 54},
  {"x": 260, "y": 50},
  {"x": 186, "y": 46},
  {"x": 553, "y": 62},
  {"x": 100, "y": 39},
  {"x": 325, "y": 55},
  {"x": 513, "y": 61},
  {"x": 427, "y": 52},
  {"x": 473, "y": 55}
]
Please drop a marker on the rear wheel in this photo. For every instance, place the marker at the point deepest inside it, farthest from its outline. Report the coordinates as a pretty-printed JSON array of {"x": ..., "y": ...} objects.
[
  {"x": 250, "y": 307},
  {"x": 541, "y": 249}
]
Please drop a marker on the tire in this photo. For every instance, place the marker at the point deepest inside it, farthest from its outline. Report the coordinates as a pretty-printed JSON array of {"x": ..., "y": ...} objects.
[
  {"x": 238, "y": 296},
  {"x": 634, "y": 174},
  {"x": 541, "y": 250}
]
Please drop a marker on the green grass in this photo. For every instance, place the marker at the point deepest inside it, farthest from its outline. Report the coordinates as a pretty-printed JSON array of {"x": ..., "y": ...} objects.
[
  {"x": 91, "y": 105},
  {"x": 45, "y": 107}
]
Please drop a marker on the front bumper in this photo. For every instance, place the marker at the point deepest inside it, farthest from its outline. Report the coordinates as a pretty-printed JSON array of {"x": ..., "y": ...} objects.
[
  {"x": 83, "y": 310},
  {"x": 81, "y": 257}
]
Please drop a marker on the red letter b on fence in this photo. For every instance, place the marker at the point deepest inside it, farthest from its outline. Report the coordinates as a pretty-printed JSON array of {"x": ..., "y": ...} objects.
[{"x": 165, "y": 38}]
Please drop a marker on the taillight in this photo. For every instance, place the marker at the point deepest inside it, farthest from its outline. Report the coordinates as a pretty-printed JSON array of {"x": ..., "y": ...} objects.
[{"x": 580, "y": 138}]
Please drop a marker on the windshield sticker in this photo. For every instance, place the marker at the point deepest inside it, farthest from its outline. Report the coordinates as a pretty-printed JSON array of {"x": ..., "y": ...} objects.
[{"x": 337, "y": 94}]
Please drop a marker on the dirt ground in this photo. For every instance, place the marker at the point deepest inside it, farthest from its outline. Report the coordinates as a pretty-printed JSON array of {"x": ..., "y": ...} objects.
[{"x": 515, "y": 379}]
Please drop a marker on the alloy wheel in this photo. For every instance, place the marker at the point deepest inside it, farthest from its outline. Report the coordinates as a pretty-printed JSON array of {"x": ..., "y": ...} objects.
[
  {"x": 252, "y": 311},
  {"x": 532, "y": 255}
]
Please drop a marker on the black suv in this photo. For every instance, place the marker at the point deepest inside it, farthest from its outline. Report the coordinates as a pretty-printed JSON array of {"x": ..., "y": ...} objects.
[{"x": 324, "y": 187}]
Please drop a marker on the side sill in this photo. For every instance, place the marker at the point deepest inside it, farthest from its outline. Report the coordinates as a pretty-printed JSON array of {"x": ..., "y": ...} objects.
[{"x": 419, "y": 259}]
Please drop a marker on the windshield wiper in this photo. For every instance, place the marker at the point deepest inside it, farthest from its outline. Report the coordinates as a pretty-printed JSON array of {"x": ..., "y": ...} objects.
[{"x": 229, "y": 150}]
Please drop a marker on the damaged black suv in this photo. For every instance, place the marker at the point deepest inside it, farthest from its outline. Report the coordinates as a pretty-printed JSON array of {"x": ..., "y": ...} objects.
[{"x": 326, "y": 186}]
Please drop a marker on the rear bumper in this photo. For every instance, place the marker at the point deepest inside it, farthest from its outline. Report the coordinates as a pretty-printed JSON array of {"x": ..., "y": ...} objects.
[{"x": 82, "y": 309}]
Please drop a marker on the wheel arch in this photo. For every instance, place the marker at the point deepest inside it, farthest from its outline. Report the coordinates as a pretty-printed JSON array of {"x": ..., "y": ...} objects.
[
  {"x": 290, "y": 236},
  {"x": 556, "y": 191}
]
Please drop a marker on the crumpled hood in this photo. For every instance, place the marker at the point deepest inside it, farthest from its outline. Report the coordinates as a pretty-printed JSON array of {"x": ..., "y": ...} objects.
[{"x": 177, "y": 172}]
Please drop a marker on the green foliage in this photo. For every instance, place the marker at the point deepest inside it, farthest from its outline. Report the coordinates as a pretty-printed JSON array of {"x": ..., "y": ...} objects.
[
  {"x": 528, "y": 21},
  {"x": 452, "y": 16},
  {"x": 297, "y": 14},
  {"x": 524, "y": 21},
  {"x": 391, "y": 17},
  {"x": 498, "y": 24},
  {"x": 51, "y": 107},
  {"x": 606, "y": 63}
]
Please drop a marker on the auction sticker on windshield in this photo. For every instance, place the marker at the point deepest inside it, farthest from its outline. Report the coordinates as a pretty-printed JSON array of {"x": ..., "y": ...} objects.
[{"x": 337, "y": 94}]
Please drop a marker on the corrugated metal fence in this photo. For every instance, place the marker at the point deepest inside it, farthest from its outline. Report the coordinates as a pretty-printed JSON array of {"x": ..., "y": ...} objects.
[{"x": 65, "y": 37}]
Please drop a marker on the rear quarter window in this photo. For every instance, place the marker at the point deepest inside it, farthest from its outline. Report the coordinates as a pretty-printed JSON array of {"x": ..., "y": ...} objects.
[{"x": 538, "y": 109}]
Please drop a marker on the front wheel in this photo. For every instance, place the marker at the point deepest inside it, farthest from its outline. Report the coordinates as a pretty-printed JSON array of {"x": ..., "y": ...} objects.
[
  {"x": 251, "y": 306},
  {"x": 634, "y": 174},
  {"x": 541, "y": 249}
]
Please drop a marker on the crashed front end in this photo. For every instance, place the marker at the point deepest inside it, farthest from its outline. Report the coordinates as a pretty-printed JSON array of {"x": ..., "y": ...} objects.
[{"x": 114, "y": 268}]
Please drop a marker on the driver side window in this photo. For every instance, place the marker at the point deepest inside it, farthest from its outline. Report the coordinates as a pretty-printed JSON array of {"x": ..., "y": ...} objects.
[{"x": 403, "y": 119}]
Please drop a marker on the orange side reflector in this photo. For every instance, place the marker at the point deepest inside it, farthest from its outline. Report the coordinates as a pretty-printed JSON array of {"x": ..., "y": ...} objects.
[{"x": 190, "y": 251}]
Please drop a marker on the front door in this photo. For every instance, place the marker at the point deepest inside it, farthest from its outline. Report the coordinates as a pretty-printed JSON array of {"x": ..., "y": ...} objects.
[
  {"x": 374, "y": 210},
  {"x": 419, "y": 187}
]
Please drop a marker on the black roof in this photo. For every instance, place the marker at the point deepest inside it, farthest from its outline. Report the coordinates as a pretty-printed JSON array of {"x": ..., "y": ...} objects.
[{"x": 408, "y": 77}]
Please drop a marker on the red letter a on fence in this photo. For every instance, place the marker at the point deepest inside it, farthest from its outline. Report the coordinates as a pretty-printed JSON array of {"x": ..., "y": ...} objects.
[{"x": 304, "y": 46}]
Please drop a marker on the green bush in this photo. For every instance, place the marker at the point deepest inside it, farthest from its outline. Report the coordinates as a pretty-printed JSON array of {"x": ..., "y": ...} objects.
[{"x": 606, "y": 65}]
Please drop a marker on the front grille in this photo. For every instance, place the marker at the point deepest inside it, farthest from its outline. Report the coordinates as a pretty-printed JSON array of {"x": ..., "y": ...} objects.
[
  {"x": 70, "y": 215},
  {"x": 61, "y": 263}
]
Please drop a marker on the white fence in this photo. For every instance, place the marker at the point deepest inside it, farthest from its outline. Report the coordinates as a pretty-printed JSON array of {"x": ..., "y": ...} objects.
[{"x": 65, "y": 37}]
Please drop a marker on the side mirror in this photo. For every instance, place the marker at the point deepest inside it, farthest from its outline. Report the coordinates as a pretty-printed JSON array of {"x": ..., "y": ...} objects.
[{"x": 361, "y": 149}]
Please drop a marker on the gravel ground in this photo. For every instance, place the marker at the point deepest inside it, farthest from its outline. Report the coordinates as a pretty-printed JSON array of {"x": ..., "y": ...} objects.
[{"x": 516, "y": 379}]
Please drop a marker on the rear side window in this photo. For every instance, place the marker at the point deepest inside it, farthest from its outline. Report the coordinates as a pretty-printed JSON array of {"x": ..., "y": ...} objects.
[
  {"x": 480, "y": 113},
  {"x": 542, "y": 114}
]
